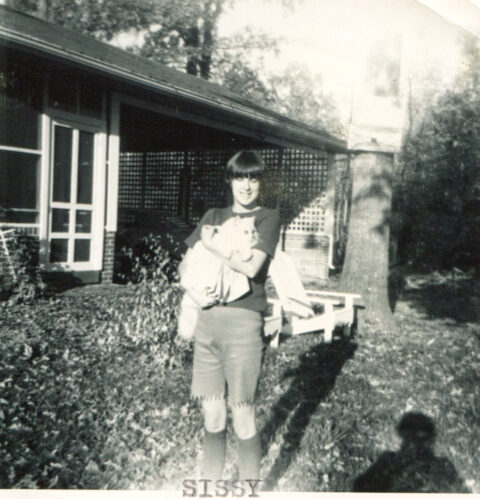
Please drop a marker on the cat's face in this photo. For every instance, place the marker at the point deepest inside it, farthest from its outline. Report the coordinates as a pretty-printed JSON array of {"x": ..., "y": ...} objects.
[{"x": 248, "y": 230}]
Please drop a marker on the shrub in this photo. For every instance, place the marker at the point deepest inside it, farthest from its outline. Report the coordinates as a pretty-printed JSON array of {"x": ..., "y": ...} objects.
[
  {"x": 85, "y": 380},
  {"x": 150, "y": 323},
  {"x": 76, "y": 373},
  {"x": 27, "y": 285},
  {"x": 147, "y": 324},
  {"x": 145, "y": 258}
]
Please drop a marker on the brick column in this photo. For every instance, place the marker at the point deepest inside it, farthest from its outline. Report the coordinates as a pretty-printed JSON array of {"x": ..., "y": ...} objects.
[
  {"x": 108, "y": 256},
  {"x": 5, "y": 272}
]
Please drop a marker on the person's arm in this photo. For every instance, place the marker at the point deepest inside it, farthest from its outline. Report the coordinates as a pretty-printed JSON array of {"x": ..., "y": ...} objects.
[{"x": 249, "y": 268}]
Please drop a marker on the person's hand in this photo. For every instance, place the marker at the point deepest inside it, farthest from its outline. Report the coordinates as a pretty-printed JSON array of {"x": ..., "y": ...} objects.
[{"x": 213, "y": 244}]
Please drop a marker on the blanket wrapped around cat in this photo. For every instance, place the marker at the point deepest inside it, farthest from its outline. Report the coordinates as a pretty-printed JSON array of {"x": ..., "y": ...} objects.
[{"x": 207, "y": 274}]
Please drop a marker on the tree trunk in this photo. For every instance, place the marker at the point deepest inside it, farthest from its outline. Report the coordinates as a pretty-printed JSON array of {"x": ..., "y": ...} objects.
[
  {"x": 365, "y": 269},
  {"x": 211, "y": 12},
  {"x": 191, "y": 38},
  {"x": 206, "y": 55}
]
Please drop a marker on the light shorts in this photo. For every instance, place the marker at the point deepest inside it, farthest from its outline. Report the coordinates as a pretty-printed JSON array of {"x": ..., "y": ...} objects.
[{"x": 227, "y": 350}]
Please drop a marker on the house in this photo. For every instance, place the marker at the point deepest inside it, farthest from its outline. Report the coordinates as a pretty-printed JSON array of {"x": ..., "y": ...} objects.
[{"x": 94, "y": 139}]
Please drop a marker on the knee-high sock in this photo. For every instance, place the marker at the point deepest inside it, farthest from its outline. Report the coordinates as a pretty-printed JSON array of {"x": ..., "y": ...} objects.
[
  {"x": 214, "y": 446},
  {"x": 249, "y": 456}
]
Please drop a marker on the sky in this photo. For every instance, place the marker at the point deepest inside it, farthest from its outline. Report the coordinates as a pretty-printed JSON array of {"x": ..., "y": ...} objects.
[
  {"x": 320, "y": 34},
  {"x": 465, "y": 13},
  {"x": 319, "y": 24}
]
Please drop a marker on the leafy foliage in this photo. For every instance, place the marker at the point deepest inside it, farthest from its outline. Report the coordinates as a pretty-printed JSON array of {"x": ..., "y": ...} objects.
[
  {"x": 180, "y": 33},
  {"x": 102, "y": 20},
  {"x": 238, "y": 62},
  {"x": 298, "y": 96},
  {"x": 437, "y": 199},
  {"x": 87, "y": 402},
  {"x": 73, "y": 395},
  {"x": 184, "y": 32},
  {"x": 27, "y": 284},
  {"x": 148, "y": 258},
  {"x": 292, "y": 92},
  {"x": 436, "y": 205}
]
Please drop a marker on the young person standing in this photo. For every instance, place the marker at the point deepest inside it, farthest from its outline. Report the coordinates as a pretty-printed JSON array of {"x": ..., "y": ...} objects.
[{"x": 228, "y": 337}]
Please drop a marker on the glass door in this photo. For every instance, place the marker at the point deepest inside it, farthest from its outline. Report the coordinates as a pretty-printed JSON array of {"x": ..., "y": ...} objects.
[{"x": 73, "y": 234}]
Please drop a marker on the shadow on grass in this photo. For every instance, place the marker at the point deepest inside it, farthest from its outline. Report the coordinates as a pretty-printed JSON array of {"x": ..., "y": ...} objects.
[
  {"x": 414, "y": 468},
  {"x": 59, "y": 282},
  {"x": 447, "y": 301},
  {"x": 313, "y": 379}
]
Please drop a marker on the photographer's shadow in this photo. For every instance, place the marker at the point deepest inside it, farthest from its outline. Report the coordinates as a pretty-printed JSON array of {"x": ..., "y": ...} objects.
[
  {"x": 313, "y": 379},
  {"x": 413, "y": 468}
]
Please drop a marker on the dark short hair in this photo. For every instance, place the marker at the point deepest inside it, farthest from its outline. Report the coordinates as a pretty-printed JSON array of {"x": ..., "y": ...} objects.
[{"x": 245, "y": 164}]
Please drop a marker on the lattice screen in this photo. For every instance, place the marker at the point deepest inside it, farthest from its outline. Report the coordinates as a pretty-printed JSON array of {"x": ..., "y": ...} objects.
[
  {"x": 130, "y": 185},
  {"x": 162, "y": 181},
  {"x": 207, "y": 185},
  {"x": 303, "y": 203},
  {"x": 130, "y": 180},
  {"x": 190, "y": 182},
  {"x": 271, "y": 158},
  {"x": 149, "y": 181}
]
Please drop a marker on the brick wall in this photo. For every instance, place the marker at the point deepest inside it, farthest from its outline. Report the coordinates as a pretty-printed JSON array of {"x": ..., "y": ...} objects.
[{"x": 108, "y": 257}]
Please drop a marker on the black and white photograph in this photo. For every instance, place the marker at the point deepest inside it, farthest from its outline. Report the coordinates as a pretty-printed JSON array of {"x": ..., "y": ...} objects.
[{"x": 239, "y": 247}]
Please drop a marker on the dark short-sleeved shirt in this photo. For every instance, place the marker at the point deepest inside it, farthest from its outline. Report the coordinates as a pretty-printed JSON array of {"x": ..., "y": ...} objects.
[{"x": 267, "y": 224}]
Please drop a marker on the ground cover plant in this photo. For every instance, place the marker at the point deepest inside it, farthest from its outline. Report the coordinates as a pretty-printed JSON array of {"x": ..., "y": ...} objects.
[
  {"x": 94, "y": 394},
  {"x": 26, "y": 285}
]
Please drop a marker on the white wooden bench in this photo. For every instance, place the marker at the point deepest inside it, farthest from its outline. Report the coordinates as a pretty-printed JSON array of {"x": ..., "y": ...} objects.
[{"x": 298, "y": 305}]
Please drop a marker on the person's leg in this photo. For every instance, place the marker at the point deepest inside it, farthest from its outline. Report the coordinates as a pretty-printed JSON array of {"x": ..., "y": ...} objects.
[
  {"x": 244, "y": 424},
  {"x": 214, "y": 438},
  {"x": 249, "y": 448},
  {"x": 242, "y": 371}
]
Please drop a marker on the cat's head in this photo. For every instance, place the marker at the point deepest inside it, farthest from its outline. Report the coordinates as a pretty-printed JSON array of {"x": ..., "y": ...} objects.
[{"x": 248, "y": 230}]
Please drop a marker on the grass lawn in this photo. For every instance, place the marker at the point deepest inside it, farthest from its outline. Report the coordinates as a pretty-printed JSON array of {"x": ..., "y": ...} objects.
[{"x": 90, "y": 397}]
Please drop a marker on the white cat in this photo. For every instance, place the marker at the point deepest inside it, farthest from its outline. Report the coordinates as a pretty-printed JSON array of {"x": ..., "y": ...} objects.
[{"x": 206, "y": 274}]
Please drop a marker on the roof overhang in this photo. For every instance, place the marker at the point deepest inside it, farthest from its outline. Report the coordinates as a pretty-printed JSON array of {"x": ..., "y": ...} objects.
[{"x": 247, "y": 116}]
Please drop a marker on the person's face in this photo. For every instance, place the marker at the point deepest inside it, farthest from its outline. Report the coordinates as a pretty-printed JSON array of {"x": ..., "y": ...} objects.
[{"x": 245, "y": 192}]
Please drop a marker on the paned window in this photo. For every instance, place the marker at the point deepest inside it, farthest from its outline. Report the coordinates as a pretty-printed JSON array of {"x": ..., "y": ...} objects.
[
  {"x": 74, "y": 94},
  {"x": 20, "y": 154}
]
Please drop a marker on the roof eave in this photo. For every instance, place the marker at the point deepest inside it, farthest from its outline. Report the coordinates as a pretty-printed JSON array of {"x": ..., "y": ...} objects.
[{"x": 327, "y": 141}]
